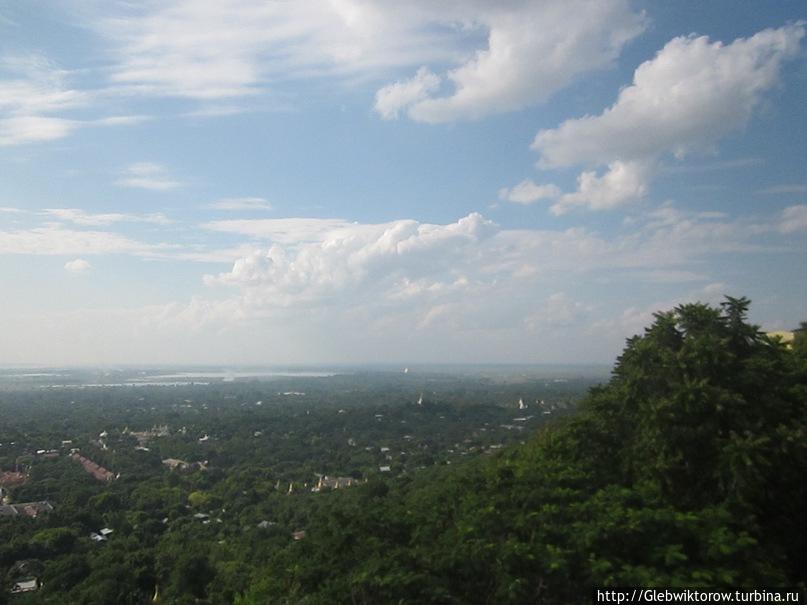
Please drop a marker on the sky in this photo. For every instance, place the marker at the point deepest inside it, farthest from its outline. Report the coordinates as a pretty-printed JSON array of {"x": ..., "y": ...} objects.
[{"x": 349, "y": 181}]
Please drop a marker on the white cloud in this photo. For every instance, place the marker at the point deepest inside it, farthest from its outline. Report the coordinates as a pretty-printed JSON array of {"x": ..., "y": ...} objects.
[
  {"x": 80, "y": 217},
  {"x": 684, "y": 100},
  {"x": 35, "y": 98},
  {"x": 466, "y": 286},
  {"x": 284, "y": 230},
  {"x": 32, "y": 85},
  {"x": 533, "y": 50},
  {"x": 352, "y": 257},
  {"x": 147, "y": 175},
  {"x": 121, "y": 120},
  {"x": 78, "y": 265},
  {"x": 18, "y": 130},
  {"x": 794, "y": 219},
  {"x": 390, "y": 100},
  {"x": 53, "y": 239},
  {"x": 241, "y": 203},
  {"x": 468, "y": 290},
  {"x": 508, "y": 54},
  {"x": 31, "y": 88},
  {"x": 528, "y": 192},
  {"x": 621, "y": 183},
  {"x": 325, "y": 263},
  {"x": 234, "y": 48}
]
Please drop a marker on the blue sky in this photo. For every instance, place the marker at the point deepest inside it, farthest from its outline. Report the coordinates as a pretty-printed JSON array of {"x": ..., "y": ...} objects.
[{"x": 323, "y": 181}]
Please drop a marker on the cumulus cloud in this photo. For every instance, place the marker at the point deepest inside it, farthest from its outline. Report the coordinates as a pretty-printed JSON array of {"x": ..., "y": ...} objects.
[
  {"x": 529, "y": 192},
  {"x": 78, "y": 265},
  {"x": 684, "y": 100},
  {"x": 621, "y": 183},
  {"x": 390, "y": 100},
  {"x": 467, "y": 289},
  {"x": 469, "y": 263},
  {"x": 353, "y": 258},
  {"x": 465, "y": 285},
  {"x": 147, "y": 175},
  {"x": 532, "y": 51}
]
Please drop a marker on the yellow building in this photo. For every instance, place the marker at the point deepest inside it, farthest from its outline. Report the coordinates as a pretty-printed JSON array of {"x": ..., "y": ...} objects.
[{"x": 784, "y": 336}]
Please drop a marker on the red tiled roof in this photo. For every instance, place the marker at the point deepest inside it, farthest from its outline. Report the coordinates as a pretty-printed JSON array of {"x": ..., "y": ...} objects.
[
  {"x": 99, "y": 472},
  {"x": 11, "y": 478}
]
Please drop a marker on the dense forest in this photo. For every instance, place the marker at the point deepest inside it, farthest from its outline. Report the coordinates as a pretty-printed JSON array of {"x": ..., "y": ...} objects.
[{"x": 686, "y": 468}]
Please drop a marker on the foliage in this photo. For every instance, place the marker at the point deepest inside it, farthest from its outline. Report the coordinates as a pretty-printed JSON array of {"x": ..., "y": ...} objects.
[{"x": 685, "y": 469}]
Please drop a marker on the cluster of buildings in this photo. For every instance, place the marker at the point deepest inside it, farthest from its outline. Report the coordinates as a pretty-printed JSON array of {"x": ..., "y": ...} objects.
[
  {"x": 175, "y": 464},
  {"x": 27, "y": 509},
  {"x": 97, "y": 471},
  {"x": 24, "y": 576},
  {"x": 9, "y": 479},
  {"x": 143, "y": 437},
  {"x": 326, "y": 482}
]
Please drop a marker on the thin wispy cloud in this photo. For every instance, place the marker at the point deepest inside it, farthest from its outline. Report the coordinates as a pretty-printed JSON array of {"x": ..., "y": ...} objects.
[
  {"x": 529, "y": 192},
  {"x": 283, "y": 230},
  {"x": 236, "y": 48},
  {"x": 784, "y": 189},
  {"x": 80, "y": 217},
  {"x": 122, "y": 120},
  {"x": 39, "y": 102},
  {"x": 794, "y": 219},
  {"x": 505, "y": 55},
  {"x": 32, "y": 90},
  {"x": 147, "y": 175},
  {"x": 55, "y": 240},
  {"x": 711, "y": 166},
  {"x": 32, "y": 85},
  {"x": 240, "y": 203},
  {"x": 18, "y": 130}
]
